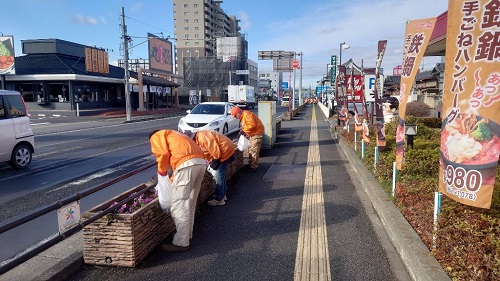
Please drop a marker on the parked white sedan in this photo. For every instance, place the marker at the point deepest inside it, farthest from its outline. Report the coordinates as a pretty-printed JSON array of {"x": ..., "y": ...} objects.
[{"x": 213, "y": 116}]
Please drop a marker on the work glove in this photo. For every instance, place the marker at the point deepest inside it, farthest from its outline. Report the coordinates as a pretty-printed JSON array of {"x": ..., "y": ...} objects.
[
  {"x": 215, "y": 164},
  {"x": 242, "y": 133}
]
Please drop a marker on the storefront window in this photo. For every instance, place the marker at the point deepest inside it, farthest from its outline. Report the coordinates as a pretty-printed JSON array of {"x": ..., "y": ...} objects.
[
  {"x": 26, "y": 90},
  {"x": 58, "y": 92}
]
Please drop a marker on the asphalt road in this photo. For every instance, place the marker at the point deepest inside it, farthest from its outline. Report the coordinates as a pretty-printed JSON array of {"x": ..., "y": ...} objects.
[
  {"x": 72, "y": 154},
  {"x": 71, "y": 157}
]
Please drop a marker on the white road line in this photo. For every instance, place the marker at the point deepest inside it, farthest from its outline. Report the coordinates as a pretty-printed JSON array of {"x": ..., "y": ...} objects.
[{"x": 312, "y": 261}]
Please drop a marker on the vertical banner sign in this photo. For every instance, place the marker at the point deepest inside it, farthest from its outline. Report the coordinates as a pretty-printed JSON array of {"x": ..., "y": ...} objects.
[
  {"x": 88, "y": 59},
  {"x": 470, "y": 146},
  {"x": 418, "y": 33},
  {"x": 95, "y": 64},
  {"x": 356, "y": 86},
  {"x": 382, "y": 44},
  {"x": 341, "y": 87},
  {"x": 364, "y": 122},
  {"x": 333, "y": 75}
]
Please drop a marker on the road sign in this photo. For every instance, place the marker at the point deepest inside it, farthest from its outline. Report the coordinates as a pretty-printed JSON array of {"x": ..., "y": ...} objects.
[
  {"x": 242, "y": 72},
  {"x": 295, "y": 63},
  {"x": 284, "y": 86}
]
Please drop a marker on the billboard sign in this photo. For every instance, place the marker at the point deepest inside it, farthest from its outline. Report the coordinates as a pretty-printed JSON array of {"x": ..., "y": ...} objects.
[
  {"x": 96, "y": 60},
  {"x": 370, "y": 86},
  {"x": 160, "y": 54},
  {"x": 7, "y": 55}
]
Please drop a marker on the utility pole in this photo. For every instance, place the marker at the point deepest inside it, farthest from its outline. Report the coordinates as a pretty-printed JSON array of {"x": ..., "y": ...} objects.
[
  {"x": 128, "y": 106},
  {"x": 300, "y": 80},
  {"x": 293, "y": 93}
]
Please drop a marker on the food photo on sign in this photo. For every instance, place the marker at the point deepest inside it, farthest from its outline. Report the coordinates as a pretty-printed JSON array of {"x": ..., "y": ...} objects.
[
  {"x": 471, "y": 142},
  {"x": 470, "y": 146},
  {"x": 6, "y": 55}
]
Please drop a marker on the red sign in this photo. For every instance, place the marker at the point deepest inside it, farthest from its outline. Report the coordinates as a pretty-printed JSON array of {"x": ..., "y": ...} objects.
[
  {"x": 295, "y": 63},
  {"x": 160, "y": 54},
  {"x": 358, "y": 89}
]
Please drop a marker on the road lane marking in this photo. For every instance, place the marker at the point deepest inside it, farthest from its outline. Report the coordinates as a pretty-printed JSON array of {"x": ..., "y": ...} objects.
[{"x": 312, "y": 261}]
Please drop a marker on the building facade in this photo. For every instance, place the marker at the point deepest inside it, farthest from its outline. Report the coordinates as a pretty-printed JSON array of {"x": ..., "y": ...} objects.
[
  {"x": 55, "y": 74},
  {"x": 275, "y": 77},
  {"x": 197, "y": 24}
]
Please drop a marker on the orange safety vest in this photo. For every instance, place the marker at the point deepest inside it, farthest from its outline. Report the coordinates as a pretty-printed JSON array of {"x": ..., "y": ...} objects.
[
  {"x": 172, "y": 148},
  {"x": 215, "y": 145},
  {"x": 251, "y": 124}
]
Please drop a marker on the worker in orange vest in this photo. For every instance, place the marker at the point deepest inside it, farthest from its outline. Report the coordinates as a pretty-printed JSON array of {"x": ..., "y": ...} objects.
[
  {"x": 253, "y": 129},
  {"x": 176, "y": 151},
  {"x": 219, "y": 151}
]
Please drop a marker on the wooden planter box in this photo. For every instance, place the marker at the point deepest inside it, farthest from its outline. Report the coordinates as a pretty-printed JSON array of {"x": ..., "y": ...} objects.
[{"x": 126, "y": 239}]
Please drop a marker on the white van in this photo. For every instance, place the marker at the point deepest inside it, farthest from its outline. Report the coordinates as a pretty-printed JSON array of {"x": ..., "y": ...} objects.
[{"x": 16, "y": 136}]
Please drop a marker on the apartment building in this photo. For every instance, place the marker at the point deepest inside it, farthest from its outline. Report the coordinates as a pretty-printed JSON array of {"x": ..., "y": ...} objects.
[
  {"x": 197, "y": 24},
  {"x": 275, "y": 77}
]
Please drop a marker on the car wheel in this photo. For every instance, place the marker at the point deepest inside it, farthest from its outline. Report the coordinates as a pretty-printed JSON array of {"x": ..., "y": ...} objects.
[
  {"x": 225, "y": 130},
  {"x": 21, "y": 157}
]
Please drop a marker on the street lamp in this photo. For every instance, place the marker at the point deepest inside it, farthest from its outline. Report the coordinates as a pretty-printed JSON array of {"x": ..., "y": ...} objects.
[
  {"x": 300, "y": 79},
  {"x": 343, "y": 45}
]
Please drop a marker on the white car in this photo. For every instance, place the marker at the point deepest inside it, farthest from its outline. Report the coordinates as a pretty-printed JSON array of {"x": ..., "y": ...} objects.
[
  {"x": 16, "y": 137},
  {"x": 213, "y": 116}
]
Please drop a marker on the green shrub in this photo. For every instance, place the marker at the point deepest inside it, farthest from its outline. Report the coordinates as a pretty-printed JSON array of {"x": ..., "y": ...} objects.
[
  {"x": 417, "y": 109},
  {"x": 468, "y": 239},
  {"x": 431, "y": 122}
]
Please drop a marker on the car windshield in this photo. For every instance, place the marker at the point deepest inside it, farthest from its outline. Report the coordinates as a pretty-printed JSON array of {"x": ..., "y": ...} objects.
[
  {"x": 214, "y": 109},
  {"x": 285, "y": 98}
]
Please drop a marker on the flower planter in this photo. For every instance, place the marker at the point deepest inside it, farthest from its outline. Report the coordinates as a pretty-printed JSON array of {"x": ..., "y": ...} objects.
[{"x": 126, "y": 239}]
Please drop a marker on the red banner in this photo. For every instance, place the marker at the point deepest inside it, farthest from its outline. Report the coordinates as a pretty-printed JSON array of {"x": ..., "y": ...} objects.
[{"x": 357, "y": 96}]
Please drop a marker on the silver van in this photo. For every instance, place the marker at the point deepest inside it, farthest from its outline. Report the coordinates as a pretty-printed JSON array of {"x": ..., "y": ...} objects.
[{"x": 16, "y": 136}]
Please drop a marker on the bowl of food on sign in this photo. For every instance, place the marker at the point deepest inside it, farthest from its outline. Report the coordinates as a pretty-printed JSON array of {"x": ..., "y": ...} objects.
[
  {"x": 471, "y": 142},
  {"x": 6, "y": 56}
]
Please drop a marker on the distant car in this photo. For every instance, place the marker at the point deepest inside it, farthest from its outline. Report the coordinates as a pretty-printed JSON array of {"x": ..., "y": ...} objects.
[
  {"x": 16, "y": 137},
  {"x": 213, "y": 116}
]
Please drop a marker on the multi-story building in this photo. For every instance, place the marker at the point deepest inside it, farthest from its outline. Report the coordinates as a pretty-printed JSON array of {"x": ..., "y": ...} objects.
[
  {"x": 197, "y": 24},
  {"x": 274, "y": 77}
]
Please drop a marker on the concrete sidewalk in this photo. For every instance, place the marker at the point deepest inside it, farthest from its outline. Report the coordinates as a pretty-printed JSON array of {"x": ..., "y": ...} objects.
[{"x": 64, "y": 259}]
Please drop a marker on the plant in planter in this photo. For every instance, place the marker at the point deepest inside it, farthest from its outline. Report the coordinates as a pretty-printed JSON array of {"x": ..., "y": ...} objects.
[{"x": 138, "y": 203}]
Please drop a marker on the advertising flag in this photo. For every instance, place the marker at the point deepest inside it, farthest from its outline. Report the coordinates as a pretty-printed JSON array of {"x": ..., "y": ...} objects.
[
  {"x": 342, "y": 95},
  {"x": 418, "y": 33},
  {"x": 382, "y": 44},
  {"x": 470, "y": 146},
  {"x": 355, "y": 86},
  {"x": 364, "y": 125}
]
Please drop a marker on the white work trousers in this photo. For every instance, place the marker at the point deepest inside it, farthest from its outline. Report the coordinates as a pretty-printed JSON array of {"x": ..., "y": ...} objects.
[{"x": 187, "y": 185}]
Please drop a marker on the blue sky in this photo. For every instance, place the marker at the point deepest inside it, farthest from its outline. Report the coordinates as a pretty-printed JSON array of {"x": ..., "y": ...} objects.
[{"x": 314, "y": 27}]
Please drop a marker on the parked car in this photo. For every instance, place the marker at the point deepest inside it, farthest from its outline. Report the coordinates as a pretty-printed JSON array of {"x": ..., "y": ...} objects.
[
  {"x": 213, "y": 116},
  {"x": 16, "y": 137}
]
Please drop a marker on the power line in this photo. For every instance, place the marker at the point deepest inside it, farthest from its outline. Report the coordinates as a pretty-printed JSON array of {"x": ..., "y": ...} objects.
[{"x": 149, "y": 25}]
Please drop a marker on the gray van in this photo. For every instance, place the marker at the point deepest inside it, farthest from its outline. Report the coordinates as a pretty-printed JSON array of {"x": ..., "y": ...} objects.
[{"x": 16, "y": 136}]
